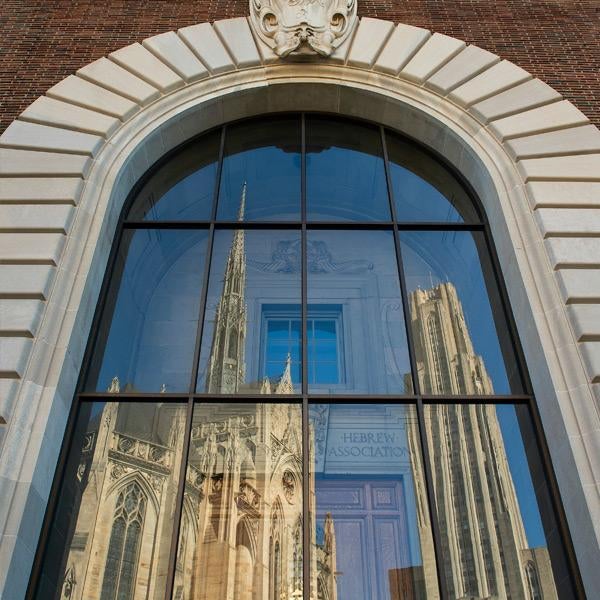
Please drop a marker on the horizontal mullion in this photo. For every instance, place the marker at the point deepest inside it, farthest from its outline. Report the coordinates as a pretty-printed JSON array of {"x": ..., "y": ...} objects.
[
  {"x": 141, "y": 396},
  {"x": 312, "y": 398},
  {"x": 342, "y": 225},
  {"x": 499, "y": 399}
]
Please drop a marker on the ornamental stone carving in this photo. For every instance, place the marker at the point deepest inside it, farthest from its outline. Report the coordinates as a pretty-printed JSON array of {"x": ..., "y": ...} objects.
[{"x": 303, "y": 27}]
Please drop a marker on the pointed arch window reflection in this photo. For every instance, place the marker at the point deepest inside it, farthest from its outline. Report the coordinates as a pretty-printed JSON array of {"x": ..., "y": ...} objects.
[{"x": 124, "y": 545}]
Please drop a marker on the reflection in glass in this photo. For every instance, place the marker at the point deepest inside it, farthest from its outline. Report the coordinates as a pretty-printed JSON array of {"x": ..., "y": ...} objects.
[
  {"x": 264, "y": 158},
  {"x": 459, "y": 329},
  {"x": 493, "y": 541},
  {"x": 423, "y": 189},
  {"x": 111, "y": 534},
  {"x": 358, "y": 344},
  {"x": 241, "y": 529},
  {"x": 373, "y": 536},
  {"x": 254, "y": 278},
  {"x": 184, "y": 188},
  {"x": 152, "y": 313},
  {"x": 345, "y": 175}
]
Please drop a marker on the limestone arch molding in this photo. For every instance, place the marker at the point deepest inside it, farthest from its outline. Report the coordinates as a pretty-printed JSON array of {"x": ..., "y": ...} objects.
[{"x": 69, "y": 161}]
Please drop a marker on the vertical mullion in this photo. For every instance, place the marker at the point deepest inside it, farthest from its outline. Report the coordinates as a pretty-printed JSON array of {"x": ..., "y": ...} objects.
[
  {"x": 306, "y": 524},
  {"x": 433, "y": 516},
  {"x": 193, "y": 379}
]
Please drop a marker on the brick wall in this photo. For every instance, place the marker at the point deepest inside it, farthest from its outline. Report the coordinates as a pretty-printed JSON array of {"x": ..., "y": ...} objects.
[{"x": 43, "y": 41}]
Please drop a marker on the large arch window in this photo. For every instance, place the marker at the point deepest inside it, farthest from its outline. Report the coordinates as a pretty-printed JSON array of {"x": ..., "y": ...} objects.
[{"x": 304, "y": 340}]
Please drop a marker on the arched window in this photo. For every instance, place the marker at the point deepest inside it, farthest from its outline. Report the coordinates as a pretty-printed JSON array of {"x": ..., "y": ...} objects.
[
  {"x": 535, "y": 593},
  {"x": 350, "y": 274},
  {"x": 124, "y": 545}
]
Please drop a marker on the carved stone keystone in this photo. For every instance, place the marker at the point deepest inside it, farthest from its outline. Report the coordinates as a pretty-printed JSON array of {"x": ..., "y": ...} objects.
[{"x": 303, "y": 27}]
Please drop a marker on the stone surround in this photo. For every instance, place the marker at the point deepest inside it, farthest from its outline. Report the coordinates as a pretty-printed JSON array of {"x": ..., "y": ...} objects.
[{"x": 69, "y": 161}]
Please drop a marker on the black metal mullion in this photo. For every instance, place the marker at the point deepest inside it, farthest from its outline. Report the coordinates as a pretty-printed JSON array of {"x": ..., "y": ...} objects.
[
  {"x": 193, "y": 379},
  {"x": 426, "y": 459},
  {"x": 555, "y": 500},
  {"x": 306, "y": 481},
  {"x": 341, "y": 225}
]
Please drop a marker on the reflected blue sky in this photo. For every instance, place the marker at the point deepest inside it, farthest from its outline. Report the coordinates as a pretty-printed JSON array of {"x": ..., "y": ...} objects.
[
  {"x": 184, "y": 188},
  {"x": 267, "y": 159},
  {"x": 345, "y": 174},
  {"x": 517, "y": 460},
  {"x": 153, "y": 326}
]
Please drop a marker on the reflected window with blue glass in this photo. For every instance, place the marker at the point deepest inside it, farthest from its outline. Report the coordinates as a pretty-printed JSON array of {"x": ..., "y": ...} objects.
[{"x": 283, "y": 332}]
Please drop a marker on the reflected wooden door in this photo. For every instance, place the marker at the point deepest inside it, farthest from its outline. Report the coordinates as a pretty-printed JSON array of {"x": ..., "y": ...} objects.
[{"x": 372, "y": 535}]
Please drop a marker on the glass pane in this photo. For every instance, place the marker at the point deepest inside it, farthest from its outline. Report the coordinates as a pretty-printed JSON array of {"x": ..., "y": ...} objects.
[
  {"x": 372, "y": 537},
  {"x": 353, "y": 287},
  {"x": 253, "y": 298},
  {"x": 489, "y": 489},
  {"x": 345, "y": 175},
  {"x": 261, "y": 165},
  {"x": 149, "y": 326},
  {"x": 183, "y": 188},
  {"x": 241, "y": 529},
  {"x": 424, "y": 190},
  {"x": 460, "y": 333},
  {"x": 111, "y": 534}
]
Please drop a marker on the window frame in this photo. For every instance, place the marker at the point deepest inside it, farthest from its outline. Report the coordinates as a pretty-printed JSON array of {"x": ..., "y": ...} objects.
[{"x": 304, "y": 398}]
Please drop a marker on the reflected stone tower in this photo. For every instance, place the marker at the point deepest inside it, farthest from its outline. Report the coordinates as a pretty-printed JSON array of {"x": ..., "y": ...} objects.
[
  {"x": 485, "y": 548},
  {"x": 446, "y": 360},
  {"x": 227, "y": 369}
]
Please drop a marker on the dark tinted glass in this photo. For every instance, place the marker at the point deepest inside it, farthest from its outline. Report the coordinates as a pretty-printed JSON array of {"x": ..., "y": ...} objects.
[
  {"x": 499, "y": 537},
  {"x": 459, "y": 328},
  {"x": 111, "y": 534},
  {"x": 345, "y": 175},
  {"x": 241, "y": 527},
  {"x": 150, "y": 323},
  {"x": 371, "y": 535},
  {"x": 262, "y": 165},
  {"x": 254, "y": 290},
  {"x": 357, "y": 339},
  {"x": 423, "y": 189},
  {"x": 183, "y": 189}
]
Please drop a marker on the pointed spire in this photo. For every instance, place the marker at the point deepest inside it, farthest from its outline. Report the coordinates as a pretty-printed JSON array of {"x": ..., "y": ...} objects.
[
  {"x": 242, "y": 208},
  {"x": 115, "y": 386},
  {"x": 285, "y": 385}
]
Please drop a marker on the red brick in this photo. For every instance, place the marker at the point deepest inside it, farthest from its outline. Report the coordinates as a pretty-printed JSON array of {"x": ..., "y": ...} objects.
[{"x": 43, "y": 41}]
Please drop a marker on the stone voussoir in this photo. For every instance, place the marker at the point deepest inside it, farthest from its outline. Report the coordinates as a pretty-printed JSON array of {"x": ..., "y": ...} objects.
[
  {"x": 208, "y": 47},
  {"x": 142, "y": 63},
  {"x": 86, "y": 94},
  {"x": 50, "y": 111},
  {"x": 400, "y": 47},
  {"x": 370, "y": 38},
  {"x": 436, "y": 52},
  {"x": 115, "y": 78},
  {"x": 175, "y": 53},
  {"x": 494, "y": 80},
  {"x": 464, "y": 66}
]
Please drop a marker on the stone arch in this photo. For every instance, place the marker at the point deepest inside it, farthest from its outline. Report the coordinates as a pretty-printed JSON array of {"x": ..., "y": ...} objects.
[{"x": 69, "y": 161}]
